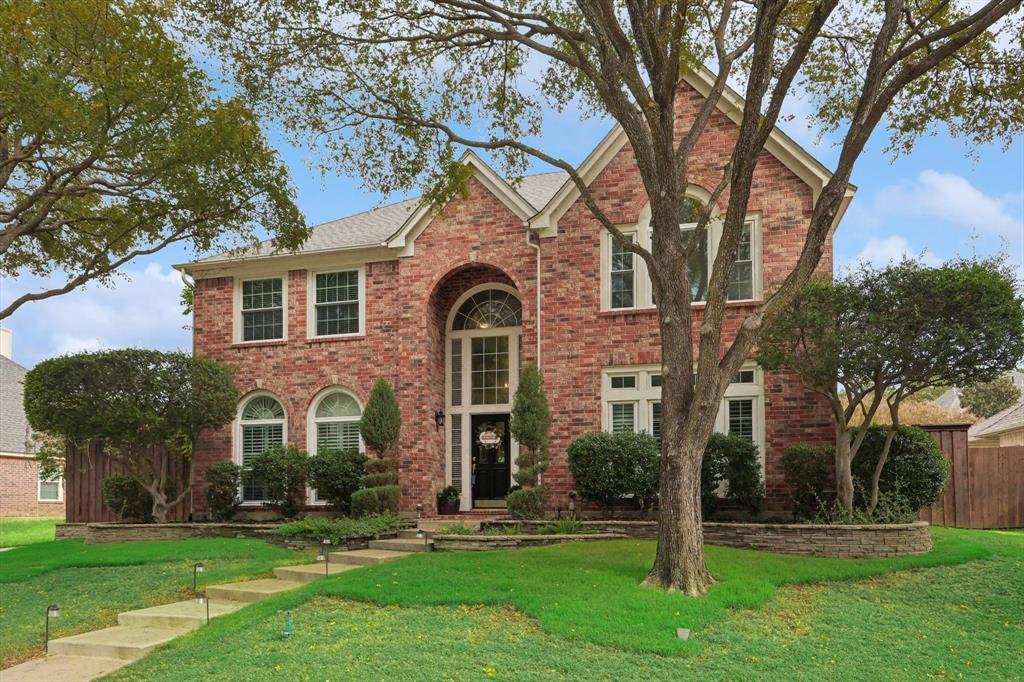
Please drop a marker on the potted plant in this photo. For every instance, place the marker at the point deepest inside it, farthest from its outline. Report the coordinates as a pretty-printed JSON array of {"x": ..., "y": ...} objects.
[{"x": 448, "y": 500}]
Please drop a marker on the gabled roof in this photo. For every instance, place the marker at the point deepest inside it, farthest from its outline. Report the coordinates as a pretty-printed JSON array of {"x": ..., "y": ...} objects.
[
  {"x": 1010, "y": 419},
  {"x": 779, "y": 145},
  {"x": 14, "y": 430}
]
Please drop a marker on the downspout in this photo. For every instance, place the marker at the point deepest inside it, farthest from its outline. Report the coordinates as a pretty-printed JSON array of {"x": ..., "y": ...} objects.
[
  {"x": 536, "y": 247},
  {"x": 189, "y": 282}
]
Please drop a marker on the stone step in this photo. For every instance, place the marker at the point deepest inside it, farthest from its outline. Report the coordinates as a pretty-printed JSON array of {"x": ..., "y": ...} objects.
[
  {"x": 251, "y": 591},
  {"x": 63, "y": 668},
  {"x": 413, "y": 544},
  {"x": 410, "y": 534},
  {"x": 125, "y": 643},
  {"x": 182, "y": 615},
  {"x": 307, "y": 573},
  {"x": 365, "y": 557}
]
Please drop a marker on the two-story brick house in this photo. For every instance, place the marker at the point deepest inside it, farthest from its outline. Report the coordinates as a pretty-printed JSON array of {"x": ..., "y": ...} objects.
[{"x": 449, "y": 305}]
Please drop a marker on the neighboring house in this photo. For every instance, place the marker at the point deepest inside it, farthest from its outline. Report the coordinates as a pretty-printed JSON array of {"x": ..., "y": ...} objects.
[
  {"x": 448, "y": 306},
  {"x": 22, "y": 492},
  {"x": 1000, "y": 430}
]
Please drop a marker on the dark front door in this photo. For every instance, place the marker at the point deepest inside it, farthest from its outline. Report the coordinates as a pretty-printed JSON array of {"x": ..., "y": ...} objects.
[{"x": 492, "y": 450}]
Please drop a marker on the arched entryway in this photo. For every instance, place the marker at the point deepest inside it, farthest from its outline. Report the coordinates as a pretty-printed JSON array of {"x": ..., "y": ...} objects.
[{"x": 482, "y": 359}]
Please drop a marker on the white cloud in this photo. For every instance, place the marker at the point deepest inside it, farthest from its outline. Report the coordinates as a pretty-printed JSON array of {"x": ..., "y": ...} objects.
[
  {"x": 952, "y": 199},
  {"x": 140, "y": 308},
  {"x": 880, "y": 251}
]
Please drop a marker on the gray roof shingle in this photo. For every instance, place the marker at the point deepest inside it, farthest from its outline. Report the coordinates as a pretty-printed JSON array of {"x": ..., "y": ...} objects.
[
  {"x": 375, "y": 226},
  {"x": 14, "y": 431},
  {"x": 1010, "y": 419}
]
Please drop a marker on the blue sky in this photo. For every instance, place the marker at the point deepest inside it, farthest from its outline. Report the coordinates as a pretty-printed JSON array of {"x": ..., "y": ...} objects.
[{"x": 934, "y": 201}]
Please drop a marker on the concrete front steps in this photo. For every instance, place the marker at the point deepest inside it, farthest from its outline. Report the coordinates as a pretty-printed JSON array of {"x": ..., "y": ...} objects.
[{"x": 123, "y": 642}]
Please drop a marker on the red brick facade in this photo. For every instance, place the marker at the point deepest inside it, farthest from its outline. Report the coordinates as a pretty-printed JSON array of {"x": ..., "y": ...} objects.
[
  {"x": 19, "y": 489},
  {"x": 477, "y": 239}
]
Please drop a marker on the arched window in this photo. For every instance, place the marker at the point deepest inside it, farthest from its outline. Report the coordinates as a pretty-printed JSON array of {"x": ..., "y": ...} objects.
[
  {"x": 336, "y": 419},
  {"x": 263, "y": 425},
  {"x": 489, "y": 309},
  {"x": 697, "y": 266}
]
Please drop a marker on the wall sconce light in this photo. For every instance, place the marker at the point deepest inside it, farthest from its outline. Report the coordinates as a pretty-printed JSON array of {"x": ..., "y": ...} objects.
[
  {"x": 52, "y": 611},
  {"x": 572, "y": 505},
  {"x": 196, "y": 570},
  {"x": 439, "y": 419},
  {"x": 419, "y": 510}
]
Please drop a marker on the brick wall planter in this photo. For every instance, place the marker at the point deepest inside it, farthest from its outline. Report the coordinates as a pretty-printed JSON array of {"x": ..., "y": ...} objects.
[
  {"x": 479, "y": 543},
  {"x": 307, "y": 543},
  {"x": 850, "y": 542},
  {"x": 64, "y": 531}
]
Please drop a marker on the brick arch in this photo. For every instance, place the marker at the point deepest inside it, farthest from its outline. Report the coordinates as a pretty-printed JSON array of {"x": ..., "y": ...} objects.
[{"x": 457, "y": 281}]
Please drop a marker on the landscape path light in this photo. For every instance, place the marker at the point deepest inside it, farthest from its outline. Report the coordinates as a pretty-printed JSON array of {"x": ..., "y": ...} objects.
[{"x": 52, "y": 611}]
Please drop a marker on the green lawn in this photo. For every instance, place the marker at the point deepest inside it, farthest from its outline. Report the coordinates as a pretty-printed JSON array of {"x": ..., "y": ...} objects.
[
  {"x": 577, "y": 612},
  {"x": 93, "y": 583},
  {"x": 26, "y": 531}
]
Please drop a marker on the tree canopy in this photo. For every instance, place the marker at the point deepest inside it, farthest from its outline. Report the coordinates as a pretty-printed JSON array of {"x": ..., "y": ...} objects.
[
  {"x": 878, "y": 336},
  {"x": 986, "y": 398},
  {"x": 394, "y": 90},
  {"x": 129, "y": 401},
  {"x": 113, "y": 146}
]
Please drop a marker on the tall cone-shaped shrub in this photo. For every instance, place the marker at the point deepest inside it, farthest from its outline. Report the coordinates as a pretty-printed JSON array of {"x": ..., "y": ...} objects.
[
  {"x": 380, "y": 426},
  {"x": 530, "y": 425}
]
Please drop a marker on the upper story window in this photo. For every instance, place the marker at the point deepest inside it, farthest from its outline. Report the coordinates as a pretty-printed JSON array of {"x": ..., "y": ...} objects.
[
  {"x": 262, "y": 426},
  {"x": 337, "y": 306},
  {"x": 263, "y": 313},
  {"x": 626, "y": 285}
]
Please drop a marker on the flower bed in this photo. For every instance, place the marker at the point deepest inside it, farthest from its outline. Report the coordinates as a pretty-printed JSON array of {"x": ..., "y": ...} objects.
[
  {"x": 101, "y": 533},
  {"x": 843, "y": 541},
  {"x": 476, "y": 543}
]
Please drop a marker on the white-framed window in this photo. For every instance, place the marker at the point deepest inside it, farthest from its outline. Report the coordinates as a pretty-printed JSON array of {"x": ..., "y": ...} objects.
[
  {"x": 334, "y": 425},
  {"x": 636, "y": 406},
  {"x": 50, "y": 489},
  {"x": 262, "y": 424},
  {"x": 337, "y": 303},
  {"x": 262, "y": 310},
  {"x": 623, "y": 272}
]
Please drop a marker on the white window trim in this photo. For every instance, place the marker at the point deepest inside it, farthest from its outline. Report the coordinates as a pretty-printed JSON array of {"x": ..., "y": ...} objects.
[
  {"x": 646, "y": 395},
  {"x": 39, "y": 490},
  {"x": 237, "y": 448},
  {"x": 311, "y": 302},
  {"x": 237, "y": 308},
  {"x": 643, "y": 296},
  {"x": 311, "y": 424}
]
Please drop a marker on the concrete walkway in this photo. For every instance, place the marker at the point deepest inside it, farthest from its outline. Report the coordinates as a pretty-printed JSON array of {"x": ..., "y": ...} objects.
[{"x": 90, "y": 655}]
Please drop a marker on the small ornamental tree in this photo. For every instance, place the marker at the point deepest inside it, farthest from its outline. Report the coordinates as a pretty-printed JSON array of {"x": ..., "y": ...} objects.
[
  {"x": 530, "y": 425},
  {"x": 986, "y": 398},
  {"x": 381, "y": 421},
  {"x": 131, "y": 401},
  {"x": 876, "y": 337}
]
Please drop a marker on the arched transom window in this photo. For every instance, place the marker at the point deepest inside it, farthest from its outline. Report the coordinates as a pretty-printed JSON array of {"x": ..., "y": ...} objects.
[
  {"x": 491, "y": 309},
  {"x": 263, "y": 424},
  {"x": 337, "y": 422}
]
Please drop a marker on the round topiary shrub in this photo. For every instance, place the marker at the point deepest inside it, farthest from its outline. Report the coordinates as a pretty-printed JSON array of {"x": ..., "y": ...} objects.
[
  {"x": 223, "y": 479},
  {"x": 915, "y": 468},
  {"x": 808, "y": 471},
  {"x": 527, "y": 503},
  {"x": 283, "y": 472},
  {"x": 609, "y": 466}
]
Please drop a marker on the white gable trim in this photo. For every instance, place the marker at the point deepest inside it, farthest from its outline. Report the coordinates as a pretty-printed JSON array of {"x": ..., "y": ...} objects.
[
  {"x": 781, "y": 146},
  {"x": 405, "y": 237}
]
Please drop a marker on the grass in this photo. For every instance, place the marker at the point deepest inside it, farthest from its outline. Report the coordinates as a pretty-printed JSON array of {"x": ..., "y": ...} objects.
[
  {"x": 15, "y": 532},
  {"x": 93, "y": 583},
  {"x": 577, "y": 612}
]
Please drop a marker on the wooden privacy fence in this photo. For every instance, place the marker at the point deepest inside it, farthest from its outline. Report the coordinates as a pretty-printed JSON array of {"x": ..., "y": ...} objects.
[
  {"x": 83, "y": 489},
  {"x": 985, "y": 487}
]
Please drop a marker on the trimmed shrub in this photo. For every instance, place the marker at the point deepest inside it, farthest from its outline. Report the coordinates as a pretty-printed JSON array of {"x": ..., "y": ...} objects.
[
  {"x": 126, "y": 498},
  {"x": 807, "y": 470},
  {"x": 339, "y": 530},
  {"x": 527, "y": 503},
  {"x": 335, "y": 474},
  {"x": 380, "y": 479},
  {"x": 915, "y": 468},
  {"x": 223, "y": 479},
  {"x": 607, "y": 467},
  {"x": 376, "y": 466},
  {"x": 283, "y": 472},
  {"x": 375, "y": 500},
  {"x": 741, "y": 469},
  {"x": 530, "y": 423},
  {"x": 381, "y": 420},
  {"x": 562, "y": 527}
]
